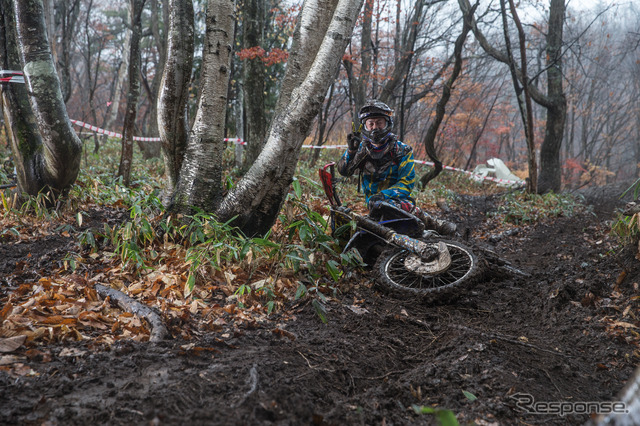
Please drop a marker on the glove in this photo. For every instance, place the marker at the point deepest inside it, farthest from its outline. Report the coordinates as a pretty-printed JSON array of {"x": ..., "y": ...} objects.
[
  {"x": 353, "y": 141},
  {"x": 375, "y": 198}
]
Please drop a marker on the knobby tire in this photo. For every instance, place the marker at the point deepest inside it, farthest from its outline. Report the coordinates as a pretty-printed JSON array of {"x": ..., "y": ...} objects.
[{"x": 395, "y": 278}]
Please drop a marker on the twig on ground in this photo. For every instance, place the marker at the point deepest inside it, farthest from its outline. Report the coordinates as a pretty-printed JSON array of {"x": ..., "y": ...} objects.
[
  {"x": 158, "y": 329},
  {"x": 383, "y": 376},
  {"x": 552, "y": 382},
  {"x": 316, "y": 368},
  {"x": 508, "y": 339},
  {"x": 253, "y": 385}
]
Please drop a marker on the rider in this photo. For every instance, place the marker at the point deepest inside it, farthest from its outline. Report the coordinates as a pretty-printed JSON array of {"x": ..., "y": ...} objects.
[{"x": 385, "y": 164}]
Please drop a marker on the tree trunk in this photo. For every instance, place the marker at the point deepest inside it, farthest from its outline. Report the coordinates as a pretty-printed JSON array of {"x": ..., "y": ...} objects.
[
  {"x": 160, "y": 41},
  {"x": 200, "y": 180},
  {"x": 323, "y": 116},
  {"x": 47, "y": 150},
  {"x": 67, "y": 12},
  {"x": 402, "y": 68},
  {"x": 114, "y": 107},
  {"x": 152, "y": 149},
  {"x": 312, "y": 65},
  {"x": 126, "y": 157},
  {"x": 522, "y": 91},
  {"x": 432, "y": 131},
  {"x": 306, "y": 41},
  {"x": 358, "y": 85},
  {"x": 22, "y": 129},
  {"x": 258, "y": 197},
  {"x": 636, "y": 103},
  {"x": 50, "y": 21},
  {"x": 550, "y": 167},
  {"x": 554, "y": 101},
  {"x": 239, "y": 115},
  {"x": 254, "y": 82},
  {"x": 91, "y": 82},
  {"x": 173, "y": 125}
]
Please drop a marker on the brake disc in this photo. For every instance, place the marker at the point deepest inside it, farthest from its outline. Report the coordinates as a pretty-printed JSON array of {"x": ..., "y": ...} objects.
[{"x": 432, "y": 265}]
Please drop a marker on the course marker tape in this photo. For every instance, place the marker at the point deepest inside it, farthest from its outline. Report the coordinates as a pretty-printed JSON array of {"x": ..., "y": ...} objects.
[{"x": 242, "y": 142}]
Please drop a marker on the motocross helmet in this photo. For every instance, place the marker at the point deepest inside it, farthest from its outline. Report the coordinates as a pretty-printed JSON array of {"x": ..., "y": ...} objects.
[{"x": 378, "y": 138}]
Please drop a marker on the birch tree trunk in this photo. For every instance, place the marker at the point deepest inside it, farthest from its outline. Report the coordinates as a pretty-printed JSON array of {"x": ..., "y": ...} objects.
[
  {"x": 126, "y": 156},
  {"x": 46, "y": 149},
  {"x": 313, "y": 21},
  {"x": 313, "y": 63},
  {"x": 258, "y": 197},
  {"x": 200, "y": 181},
  {"x": 173, "y": 125},
  {"x": 24, "y": 137}
]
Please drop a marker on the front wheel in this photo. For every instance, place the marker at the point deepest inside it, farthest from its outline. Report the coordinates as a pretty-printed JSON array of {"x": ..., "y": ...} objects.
[{"x": 398, "y": 273}]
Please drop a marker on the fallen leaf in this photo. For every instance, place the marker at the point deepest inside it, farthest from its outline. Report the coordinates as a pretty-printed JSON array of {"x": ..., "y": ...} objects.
[
  {"x": 229, "y": 277},
  {"x": 10, "y": 344},
  {"x": 284, "y": 333},
  {"x": 65, "y": 352},
  {"x": 359, "y": 310},
  {"x": 10, "y": 359}
]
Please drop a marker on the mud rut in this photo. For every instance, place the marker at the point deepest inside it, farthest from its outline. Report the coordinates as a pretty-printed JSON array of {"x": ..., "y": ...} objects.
[{"x": 375, "y": 358}]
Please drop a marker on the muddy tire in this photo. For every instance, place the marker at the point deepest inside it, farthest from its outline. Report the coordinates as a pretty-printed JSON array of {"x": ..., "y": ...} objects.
[{"x": 394, "y": 277}]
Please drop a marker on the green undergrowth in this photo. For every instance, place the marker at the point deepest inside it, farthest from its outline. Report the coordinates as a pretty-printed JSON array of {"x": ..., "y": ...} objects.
[
  {"x": 520, "y": 208},
  {"x": 299, "y": 248},
  {"x": 626, "y": 227}
]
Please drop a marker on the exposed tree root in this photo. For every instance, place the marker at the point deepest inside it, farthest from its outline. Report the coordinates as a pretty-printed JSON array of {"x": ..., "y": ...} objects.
[
  {"x": 158, "y": 329},
  {"x": 253, "y": 385}
]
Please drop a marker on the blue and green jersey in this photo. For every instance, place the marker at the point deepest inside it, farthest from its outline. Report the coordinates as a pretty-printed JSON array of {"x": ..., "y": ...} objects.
[{"x": 393, "y": 176}]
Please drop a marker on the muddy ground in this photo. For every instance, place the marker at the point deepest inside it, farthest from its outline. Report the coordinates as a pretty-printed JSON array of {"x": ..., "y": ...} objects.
[{"x": 547, "y": 336}]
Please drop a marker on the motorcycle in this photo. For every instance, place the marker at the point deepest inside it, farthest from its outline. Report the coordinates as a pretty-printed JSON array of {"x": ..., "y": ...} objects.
[{"x": 408, "y": 259}]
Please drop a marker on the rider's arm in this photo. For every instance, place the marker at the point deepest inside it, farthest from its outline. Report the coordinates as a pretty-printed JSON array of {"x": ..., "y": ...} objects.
[
  {"x": 343, "y": 164},
  {"x": 350, "y": 161}
]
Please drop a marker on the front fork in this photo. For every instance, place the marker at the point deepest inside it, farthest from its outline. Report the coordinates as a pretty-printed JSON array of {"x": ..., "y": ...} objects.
[{"x": 422, "y": 249}]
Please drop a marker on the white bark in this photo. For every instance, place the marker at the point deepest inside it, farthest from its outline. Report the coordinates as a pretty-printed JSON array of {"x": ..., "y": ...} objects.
[
  {"x": 258, "y": 197},
  {"x": 173, "y": 126},
  {"x": 59, "y": 160},
  {"x": 200, "y": 181}
]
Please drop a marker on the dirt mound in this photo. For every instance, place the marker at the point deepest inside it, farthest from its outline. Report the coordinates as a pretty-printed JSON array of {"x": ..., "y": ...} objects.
[{"x": 506, "y": 347}]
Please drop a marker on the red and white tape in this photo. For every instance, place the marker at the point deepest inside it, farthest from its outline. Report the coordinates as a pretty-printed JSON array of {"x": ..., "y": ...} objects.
[
  {"x": 242, "y": 142},
  {"x": 7, "y": 76}
]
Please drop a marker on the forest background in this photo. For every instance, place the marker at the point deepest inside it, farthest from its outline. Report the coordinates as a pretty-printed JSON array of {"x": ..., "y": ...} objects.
[{"x": 407, "y": 56}]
